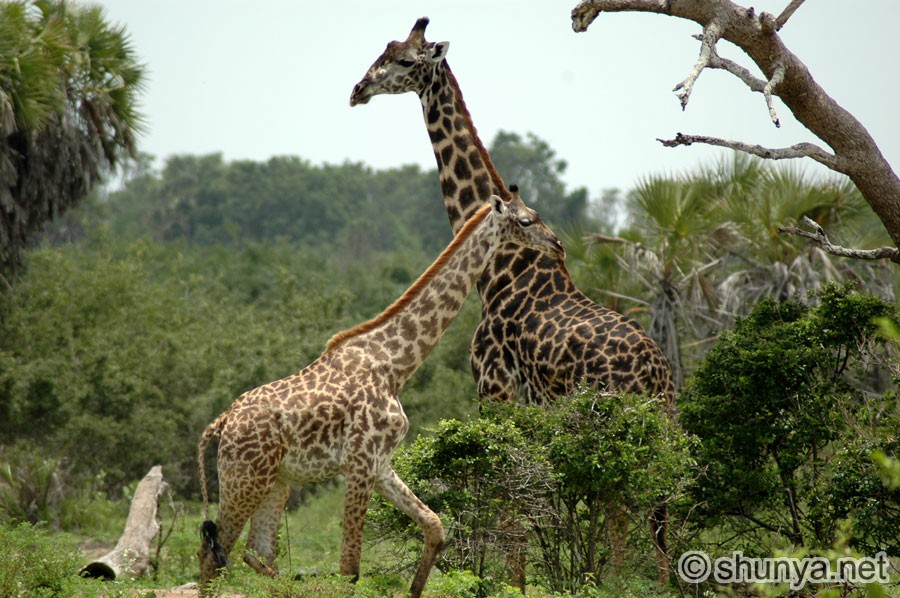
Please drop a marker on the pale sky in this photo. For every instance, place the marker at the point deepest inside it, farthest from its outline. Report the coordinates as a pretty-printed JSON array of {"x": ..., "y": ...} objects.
[{"x": 273, "y": 77}]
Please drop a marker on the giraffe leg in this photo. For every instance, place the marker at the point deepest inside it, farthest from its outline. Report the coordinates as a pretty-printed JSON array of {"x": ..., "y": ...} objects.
[
  {"x": 516, "y": 549},
  {"x": 617, "y": 523},
  {"x": 245, "y": 480},
  {"x": 264, "y": 522},
  {"x": 659, "y": 521},
  {"x": 360, "y": 485},
  {"x": 393, "y": 490},
  {"x": 228, "y": 528}
]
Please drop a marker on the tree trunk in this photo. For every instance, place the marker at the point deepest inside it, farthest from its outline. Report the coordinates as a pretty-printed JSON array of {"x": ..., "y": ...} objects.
[{"x": 131, "y": 556}]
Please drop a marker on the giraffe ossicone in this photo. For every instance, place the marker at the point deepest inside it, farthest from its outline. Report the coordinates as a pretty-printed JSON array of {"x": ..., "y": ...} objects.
[
  {"x": 342, "y": 415},
  {"x": 539, "y": 337}
]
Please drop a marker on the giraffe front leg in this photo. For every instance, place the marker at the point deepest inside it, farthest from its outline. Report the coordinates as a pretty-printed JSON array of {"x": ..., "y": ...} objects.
[
  {"x": 264, "y": 523},
  {"x": 360, "y": 485},
  {"x": 393, "y": 490}
]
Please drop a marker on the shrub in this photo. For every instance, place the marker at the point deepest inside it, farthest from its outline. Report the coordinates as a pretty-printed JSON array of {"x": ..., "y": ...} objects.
[
  {"x": 787, "y": 410},
  {"x": 478, "y": 475},
  {"x": 545, "y": 476},
  {"x": 31, "y": 485},
  {"x": 35, "y": 562},
  {"x": 609, "y": 454}
]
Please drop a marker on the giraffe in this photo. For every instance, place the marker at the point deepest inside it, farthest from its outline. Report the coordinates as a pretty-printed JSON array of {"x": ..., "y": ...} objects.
[
  {"x": 341, "y": 414},
  {"x": 540, "y": 337}
]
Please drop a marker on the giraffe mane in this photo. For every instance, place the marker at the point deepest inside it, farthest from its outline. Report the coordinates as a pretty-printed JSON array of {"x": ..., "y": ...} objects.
[
  {"x": 485, "y": 157},
  {"x": 413, "y": 291}
]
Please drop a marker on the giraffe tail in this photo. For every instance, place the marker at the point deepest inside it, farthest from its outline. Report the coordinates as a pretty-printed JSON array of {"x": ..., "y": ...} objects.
[
  {"x": 211, "y": 431},
  {"x": 209, "y": 533}
]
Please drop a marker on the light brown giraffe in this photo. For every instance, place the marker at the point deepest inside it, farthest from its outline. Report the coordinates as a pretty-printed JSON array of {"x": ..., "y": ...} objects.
[
  {"x": 341, "y": 414},
  {"x": 539, "y": 337}
]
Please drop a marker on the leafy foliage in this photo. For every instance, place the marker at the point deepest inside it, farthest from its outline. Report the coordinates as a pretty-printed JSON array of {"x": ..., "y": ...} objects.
[
  {"x": 478, "y": 474},
  {"x": 785, "y": 430},
  {"x": 347, "y": 209},
  {"x": 36, "y": 563},
  {"x": 69, "y": 84},
  {"x": 31, "y": 486},
  {"x": 116, "y": 362},
  {"x": 609, "y": 453},
  {"x": 557, "y": 472}
]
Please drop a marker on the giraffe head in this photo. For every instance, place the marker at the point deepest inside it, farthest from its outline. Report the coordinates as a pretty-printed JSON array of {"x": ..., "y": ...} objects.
[
  {"x": 521, "y": 225},
  {"x": 402, "y": 67}
]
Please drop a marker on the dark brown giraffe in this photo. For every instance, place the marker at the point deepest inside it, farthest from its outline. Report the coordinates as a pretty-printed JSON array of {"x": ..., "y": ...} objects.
[
  {"x": 341, "y": 414},
  {"x": 539, "y": 337}
]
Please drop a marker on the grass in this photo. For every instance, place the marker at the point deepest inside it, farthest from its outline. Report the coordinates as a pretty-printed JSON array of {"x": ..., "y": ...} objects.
[{"x": 37, "y": 561}]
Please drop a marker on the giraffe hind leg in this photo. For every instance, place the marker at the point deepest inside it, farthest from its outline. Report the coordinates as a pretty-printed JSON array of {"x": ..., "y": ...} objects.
[
  {"x": 247, "y": 474},
  {"x": 264, "y": 523}
]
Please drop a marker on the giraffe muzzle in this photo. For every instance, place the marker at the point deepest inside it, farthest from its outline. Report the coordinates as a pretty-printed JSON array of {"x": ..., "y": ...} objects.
[{"x": 360, "y": 94}]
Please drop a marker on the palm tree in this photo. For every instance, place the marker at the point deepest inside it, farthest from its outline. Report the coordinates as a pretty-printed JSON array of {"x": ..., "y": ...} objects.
[
  {"x": 758, "y": 197},
  {"x": 668, "y": 251},
  {"x": 69, "y": 84},
  {"x": 702, "y": 248}
]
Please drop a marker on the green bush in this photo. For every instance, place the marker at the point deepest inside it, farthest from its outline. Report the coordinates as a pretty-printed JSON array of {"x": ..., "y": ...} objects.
[
  {"x": 788, "y": 408},
  {"x": 609, "y": 454},
  {"x": 473, "y": 473},
  {"x": 35, "y": 562},
  {"x": 553, "y": 474},
  {"x": 32, "y": 485}
]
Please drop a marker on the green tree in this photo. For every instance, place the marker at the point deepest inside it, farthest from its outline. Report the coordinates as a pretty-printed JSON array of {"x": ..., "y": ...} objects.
[
  {"x": 532, "y": 164},
  {"x": 69, "y": 87},
  {"x": 557, "y": 471},
  {"x": 116, "y": 356},
  {"x": 783, "y": 417}
]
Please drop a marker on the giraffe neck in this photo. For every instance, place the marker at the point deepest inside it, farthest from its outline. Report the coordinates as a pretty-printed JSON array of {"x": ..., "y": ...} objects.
[
  {"x": 468, "y": 177},
  {"x": 403, "y": 335}
]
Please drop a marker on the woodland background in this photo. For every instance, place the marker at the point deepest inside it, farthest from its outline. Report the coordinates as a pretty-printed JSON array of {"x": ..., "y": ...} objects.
[{"x": 137, "y": 302}]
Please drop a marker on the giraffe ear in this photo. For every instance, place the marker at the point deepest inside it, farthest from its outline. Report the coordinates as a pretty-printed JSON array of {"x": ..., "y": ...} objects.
[
  {"x": 500, "y": 206},
  {"x": 439, "y": 51}
]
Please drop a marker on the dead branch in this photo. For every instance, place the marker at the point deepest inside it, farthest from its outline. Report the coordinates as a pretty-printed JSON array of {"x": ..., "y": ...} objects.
[
  {"x": 786, "y": 14},
  {"x": 711, "y": 34},
  {"x": 799, "y": 150},
  {"x": 773, "y": 82},
  {"x": 853, "y": 150},
  {"x": 819, "y": 237},
  {"x": 717, "y": 62}
]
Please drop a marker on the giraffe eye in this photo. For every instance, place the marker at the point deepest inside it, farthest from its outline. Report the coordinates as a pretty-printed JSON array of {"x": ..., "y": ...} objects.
[
  {"x": 525, "y": 222},
  {"x": 406, "y": 63}
]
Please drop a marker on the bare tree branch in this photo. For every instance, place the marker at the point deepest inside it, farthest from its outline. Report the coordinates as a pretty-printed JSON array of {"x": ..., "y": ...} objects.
[
  {"x": 798, "y": 150},
  {"x": 777, "y": 77},
  {"x": 717, "y": 62},
  {"x": 764, "y": 87},
  {"x": 821, "y": 239},
  {"x": 786, "y": 14},
  {"x": 853, "y": 150},
  {"x": 711, "y": 34}
]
